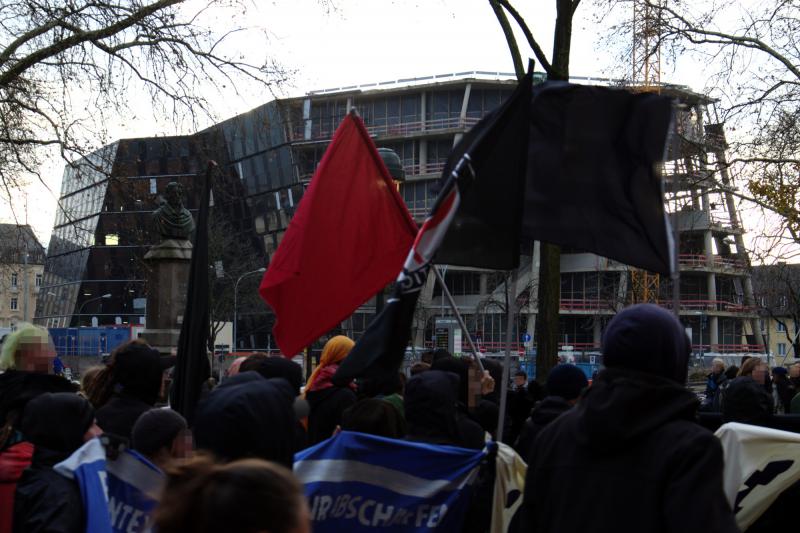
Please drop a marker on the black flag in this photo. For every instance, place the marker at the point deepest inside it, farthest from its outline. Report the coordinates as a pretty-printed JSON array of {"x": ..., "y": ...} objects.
[
  {"x": 192, "y": 367},
  {"x": 592, "y": 177},
  {"x": 381, "y": 348}
]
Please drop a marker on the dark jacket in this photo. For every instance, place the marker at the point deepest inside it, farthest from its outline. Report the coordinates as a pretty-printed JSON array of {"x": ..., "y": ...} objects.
[
  {"x": 545, "y": 412},
  {"x": 46, "y": 501},
  {"x": 17, "y": 388},
  {"x": 120, "y": 413},
  {"x": 629, "y": 457},
  {"x": 432, "y": 413},
  {"x": 326, "y": 408},
  {"x": 248, "y": 416}
]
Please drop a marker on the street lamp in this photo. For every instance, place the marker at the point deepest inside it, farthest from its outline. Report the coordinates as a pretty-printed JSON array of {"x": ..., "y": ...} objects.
[
  {"x": 105, "y": 296},
  {"x": 236, "y": 301}
]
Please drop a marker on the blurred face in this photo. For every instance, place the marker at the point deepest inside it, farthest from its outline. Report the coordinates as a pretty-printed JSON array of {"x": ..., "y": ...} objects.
[
  {"x": 794, "y": 371},
  {"x": 760, "y": 374},
  {"x": 182, "y": 445},
  {"x": 36, "y": 356},
  {"x": 519, "y": 381},
  {"x": 718, "y": 368}
]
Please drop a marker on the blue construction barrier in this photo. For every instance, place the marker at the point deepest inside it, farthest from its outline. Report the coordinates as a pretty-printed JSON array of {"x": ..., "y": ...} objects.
[{"x": 89, "y": 341}]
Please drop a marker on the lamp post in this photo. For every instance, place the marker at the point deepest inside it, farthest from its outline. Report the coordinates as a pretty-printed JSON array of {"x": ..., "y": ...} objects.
[
  {"x": 105, "y": 296},
  {"x": 236, "y": 301}
]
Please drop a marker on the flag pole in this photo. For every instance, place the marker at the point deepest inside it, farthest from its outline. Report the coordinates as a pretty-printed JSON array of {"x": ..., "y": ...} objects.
[
  {"x": 511, "y": 297},
  {"x": 461, "y": 323}
]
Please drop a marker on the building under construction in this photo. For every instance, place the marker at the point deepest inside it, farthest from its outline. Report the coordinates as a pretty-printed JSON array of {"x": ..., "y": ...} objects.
[{"x": 272, "y": 151}]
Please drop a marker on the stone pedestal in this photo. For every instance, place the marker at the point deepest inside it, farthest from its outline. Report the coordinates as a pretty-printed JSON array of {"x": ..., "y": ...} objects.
[{"x": 167, "y": 284}]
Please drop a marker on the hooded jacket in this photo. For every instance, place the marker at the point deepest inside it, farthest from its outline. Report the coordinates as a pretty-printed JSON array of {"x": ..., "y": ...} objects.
[
  {"x": 542, "y": 414},
  {"x": 432, "y": 413},
  {"x": 630, "y": 452},
  {"x": 46, "y": 501},
  {"x": 638, "y": 459},
  {"x": 248, "y": 416}
]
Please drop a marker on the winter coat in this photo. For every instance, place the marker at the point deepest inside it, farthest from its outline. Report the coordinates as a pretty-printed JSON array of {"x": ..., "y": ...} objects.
[
  {"x": 120, "y": 413},
  {"x": 545, "y": 412},
  {"x": 433, "y": 415},
  {"x": 326, "y": 408},
  {"x": 17, "y": 388},
  {"x": 249, "y": 416},
  {"x": 45, "y": 501},
  {"x": 13, "y": 461},
  {"x": 628, "y": 457}
]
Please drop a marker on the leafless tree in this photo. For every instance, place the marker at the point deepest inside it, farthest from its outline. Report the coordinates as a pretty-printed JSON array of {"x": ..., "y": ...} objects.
[
  {"x": 753, "y": 57},
  {"x": 68, "y": 66}
]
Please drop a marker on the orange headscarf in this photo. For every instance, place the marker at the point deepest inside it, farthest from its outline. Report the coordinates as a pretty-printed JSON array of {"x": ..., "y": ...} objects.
[{"x": 334, "y": 352}]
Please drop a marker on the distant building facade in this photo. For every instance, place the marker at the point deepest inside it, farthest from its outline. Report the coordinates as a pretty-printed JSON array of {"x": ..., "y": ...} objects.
[
  {"x": 22, "y": 259},
  {"x": 268, "y": 156},
  {"x": 777, "y": 291}
]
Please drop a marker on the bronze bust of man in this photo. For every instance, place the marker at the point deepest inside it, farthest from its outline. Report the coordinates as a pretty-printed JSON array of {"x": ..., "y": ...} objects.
[{"x": 172, "y": 220}]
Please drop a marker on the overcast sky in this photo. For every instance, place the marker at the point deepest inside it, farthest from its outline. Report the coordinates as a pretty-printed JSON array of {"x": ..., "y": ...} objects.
[{"x": 362, "y": 41}]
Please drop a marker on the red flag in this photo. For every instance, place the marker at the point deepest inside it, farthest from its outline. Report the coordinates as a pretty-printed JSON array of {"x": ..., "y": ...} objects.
[{"x": 347, "y": 240}]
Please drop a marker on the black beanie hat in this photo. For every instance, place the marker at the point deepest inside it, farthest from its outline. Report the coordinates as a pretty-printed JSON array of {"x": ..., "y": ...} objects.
[
  {"x": 156, "y": 429},
  {"x": 57, "y": 421},
  {"x": 647, "y": 338},
  {"x": 566, "y": 381}
]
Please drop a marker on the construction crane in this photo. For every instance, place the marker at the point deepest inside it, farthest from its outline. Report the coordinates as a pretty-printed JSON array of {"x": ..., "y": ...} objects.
[{"x": 646, "y": 77}]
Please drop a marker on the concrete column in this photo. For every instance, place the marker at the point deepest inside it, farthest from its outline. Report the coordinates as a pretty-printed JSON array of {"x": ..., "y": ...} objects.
[
  {"x": 533, "y": 305},
  {"x": 423, "y": 155},
  {"x": 597, "y": 331},
  {"x": 423, "y": 109},
  {"x": 713, "y": 333},
  {"x": 483, "y": 285}
]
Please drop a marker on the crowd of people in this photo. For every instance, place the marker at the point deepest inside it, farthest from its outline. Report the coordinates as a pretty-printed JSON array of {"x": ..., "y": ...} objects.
[{"x": 623, "y": 448}]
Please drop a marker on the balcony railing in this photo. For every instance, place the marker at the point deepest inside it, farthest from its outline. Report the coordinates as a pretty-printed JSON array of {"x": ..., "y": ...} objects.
[
  {"x": 728, "y": 348},
  {"x": 582, "y": 304},
  {"x": 389, "y": 130},
  {"x": 701, "y": 261}
]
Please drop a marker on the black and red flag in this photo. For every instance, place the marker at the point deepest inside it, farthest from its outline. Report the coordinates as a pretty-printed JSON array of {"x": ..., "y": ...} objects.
[{"x": 503, "y": 133}]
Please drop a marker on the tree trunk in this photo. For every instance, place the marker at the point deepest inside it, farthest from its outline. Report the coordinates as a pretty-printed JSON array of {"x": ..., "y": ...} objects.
[{"x": 547, "y": 316}]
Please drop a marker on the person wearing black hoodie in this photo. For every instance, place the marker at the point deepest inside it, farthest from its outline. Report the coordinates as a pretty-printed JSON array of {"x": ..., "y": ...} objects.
[
  {"x": 630, "y": 456},
  {"x": 249, "y": 416},
  {"x": 564, "y": 386},
  {"x": 45, "y": 501},
  {"x": 432, "y": 414},
  {"x": 136, "y": 380}
]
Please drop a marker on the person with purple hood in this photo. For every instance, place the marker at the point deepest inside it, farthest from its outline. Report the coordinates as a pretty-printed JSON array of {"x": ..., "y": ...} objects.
[{"x": 629, "y": 456}]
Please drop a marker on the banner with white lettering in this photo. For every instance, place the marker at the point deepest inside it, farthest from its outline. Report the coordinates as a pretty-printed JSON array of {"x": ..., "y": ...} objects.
[
  {"x": 118, "y": 495},
  {"x": 760, "y": 463},
  {"x": 362, "y": 483}
]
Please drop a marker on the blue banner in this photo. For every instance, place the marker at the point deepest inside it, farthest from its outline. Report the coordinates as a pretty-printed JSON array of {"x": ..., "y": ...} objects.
[
  {"x": 358, "y": 482},
  {"x": 118, "y": 495}
]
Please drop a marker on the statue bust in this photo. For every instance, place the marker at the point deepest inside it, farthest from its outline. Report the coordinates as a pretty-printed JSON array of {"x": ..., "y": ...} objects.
[{"x": 172, "y": 220}]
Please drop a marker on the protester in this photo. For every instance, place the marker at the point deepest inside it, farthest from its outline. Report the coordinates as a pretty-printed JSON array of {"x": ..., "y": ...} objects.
[
  {"x": 275, "y": 367},
  {"x": 376, "y": 417},
  {"x": 26, "y": 360},
  {"x": 747, "y": 402},
  {"x": 472, "y": 402},
  {"x": 87, "y": 379},
  {"x": 432, "y": 414},
  {"x": 131, "y": 384},
  {"x": 388, "y": 387},
  {"x": 234, "y": 368},
  {"x": 418, "y": 368},
  {"x": 565, "y": 383},
  {"x": 630, "y": 451},
  {"x": 714, "y": 383},
  {"x": 326, "y": 400},
  {"x": 794, "y": 375},
  {"x": 248, "y": 416},
  {"x": 783, "y": 390},
  {"x": 519, "y": 405},
  {"x": 162, "y": 436},
  {"x": 732, "y": 372},
  {"x": 45, "y": 501},
  {"x": 245, "y": 496}
]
